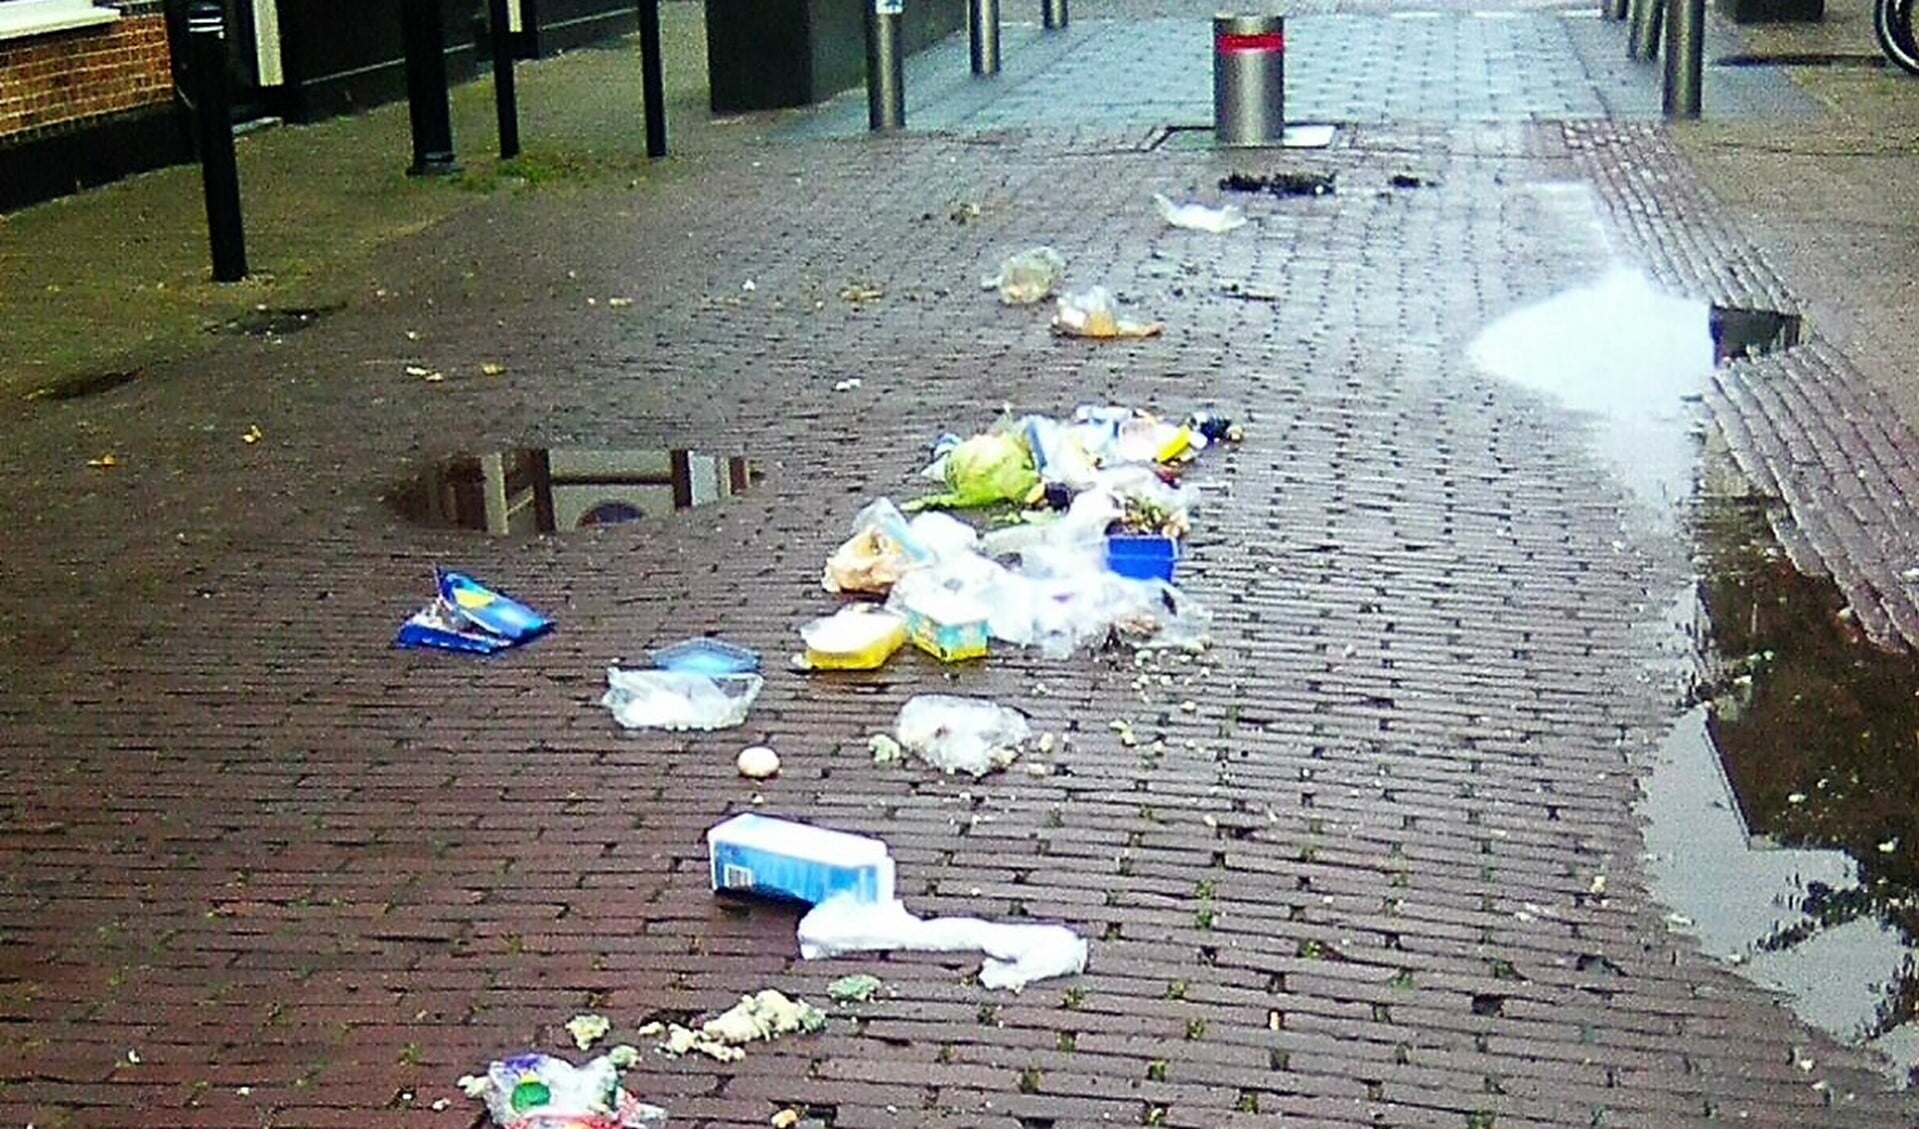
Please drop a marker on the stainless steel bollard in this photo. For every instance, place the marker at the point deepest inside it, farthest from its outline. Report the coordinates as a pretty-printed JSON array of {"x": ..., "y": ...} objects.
[
  {"x": 1642, "y": 29},
  {"x": 1052, "y": 14},
  {"x": 885, "y": 71},
  {"x": 1249, "y": 80},
  {"x": 982, "y": 26},
  {"x": 1685, "y": 57}
]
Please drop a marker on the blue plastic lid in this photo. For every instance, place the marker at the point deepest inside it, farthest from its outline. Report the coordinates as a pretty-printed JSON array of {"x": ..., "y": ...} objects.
[{"x": 706, "y": 656}]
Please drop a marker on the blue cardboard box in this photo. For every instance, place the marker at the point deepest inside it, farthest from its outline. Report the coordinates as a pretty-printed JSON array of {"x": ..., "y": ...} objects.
[{"x": 760, "y": 854}]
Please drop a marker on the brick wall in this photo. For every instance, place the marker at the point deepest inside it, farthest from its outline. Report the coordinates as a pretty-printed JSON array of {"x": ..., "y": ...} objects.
[{"x": 68, "y": 77}]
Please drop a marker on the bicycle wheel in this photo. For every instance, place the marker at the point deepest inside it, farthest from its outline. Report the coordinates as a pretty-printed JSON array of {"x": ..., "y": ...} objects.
[{"x": 1892, "y": 26}]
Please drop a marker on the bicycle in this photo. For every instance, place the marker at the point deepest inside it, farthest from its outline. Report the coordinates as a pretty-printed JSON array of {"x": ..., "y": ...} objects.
[{"x": 1892, "y": 26}]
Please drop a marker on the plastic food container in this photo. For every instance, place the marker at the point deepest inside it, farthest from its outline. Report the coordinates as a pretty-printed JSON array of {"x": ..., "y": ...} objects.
[
  {"x": 1142, "y": 556},
  {"x": 757, "y": 854},
  {"x": 706, "y": 656},
  {"x": 854, "y": 638},
  {"x": 948, "y": 627}
]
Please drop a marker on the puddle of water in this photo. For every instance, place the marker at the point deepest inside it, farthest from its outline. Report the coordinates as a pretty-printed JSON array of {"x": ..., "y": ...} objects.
[
  {"x": 1739, "y": 331},
  {"x": 1625, "y": 353},
  {"x": 1770, "y": 805},
  {"x": 533, "y": 490},
  {"x": 85, "y": 384}
]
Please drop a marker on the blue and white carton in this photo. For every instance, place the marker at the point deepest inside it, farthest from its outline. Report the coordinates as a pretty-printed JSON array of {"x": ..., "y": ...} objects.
[{"x": 760, "y": 854}]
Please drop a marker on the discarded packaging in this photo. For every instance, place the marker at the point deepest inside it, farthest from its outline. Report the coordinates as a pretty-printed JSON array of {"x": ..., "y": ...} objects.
[
  {"x": 1142, "y": 556},
  {"x": 1093, "y": 313},
  {"x": 1281, "y": 183},
  {"x": 766, "y": 1014},
  {"x": 883, "y": 548},
  {"x": 1015, "y": 955},
  {"x": 1199, "y": 217},
  {"x": 859, "y": 637},
  {"x": 1027, "y": 277},
  {"x": 706, "y": 656},
  {"x": 957, "y": 734},
  {"x": 468, "y": 616},
  {"x": 759, "y": 854},
  {"x": 539, "y": 1091},
  {"x": 672, "y": 699},
  {"x": 950, "y": 626}
]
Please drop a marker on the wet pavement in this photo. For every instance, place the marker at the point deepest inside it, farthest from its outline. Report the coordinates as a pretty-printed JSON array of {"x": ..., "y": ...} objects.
[{"x": 1375, "y": 858}]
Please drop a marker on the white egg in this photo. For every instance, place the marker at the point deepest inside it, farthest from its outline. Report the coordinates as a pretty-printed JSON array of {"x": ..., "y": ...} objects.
[{"x": 758, "y": 762}]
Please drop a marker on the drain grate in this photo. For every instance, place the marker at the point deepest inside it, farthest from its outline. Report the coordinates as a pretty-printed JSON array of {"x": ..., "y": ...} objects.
[
  {"x": 1803, "y": 59},
  {"x": 1739, "y": 331}
]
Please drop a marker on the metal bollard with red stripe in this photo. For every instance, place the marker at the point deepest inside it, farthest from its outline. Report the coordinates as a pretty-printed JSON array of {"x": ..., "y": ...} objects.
[{"x": 1249, "y": 80}]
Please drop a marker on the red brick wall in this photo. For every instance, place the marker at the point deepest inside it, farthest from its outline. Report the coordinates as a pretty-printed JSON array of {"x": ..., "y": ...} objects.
[{"x": 69, "y": 76}]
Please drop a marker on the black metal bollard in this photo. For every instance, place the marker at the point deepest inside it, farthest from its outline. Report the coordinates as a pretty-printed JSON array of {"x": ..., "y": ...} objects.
[
  {"x": 424, "y": 38},
  {"x": 982, "y": 26},
  {"x": 652, "y": 79},
  {"x": 219, "y": 172},
  {"x": 885, "y": 71},
  {"x": 1052, "y": 14},
  {"x": 1685, "y": 57},
  {"x": 505, "y": 101}
]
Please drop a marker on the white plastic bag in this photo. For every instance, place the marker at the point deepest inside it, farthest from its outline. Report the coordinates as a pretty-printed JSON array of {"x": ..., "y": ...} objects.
[
  {"x": 1094, "y": 313},
  {"x": 1028, "y": 277},
  {"x": 672, "y": 699},
  {"x": 957, "y": 734},
  {"x": 1199, "y": 217},
  {"x": 539, "y": 1091},
  {"x": 1015, "y": 955}
]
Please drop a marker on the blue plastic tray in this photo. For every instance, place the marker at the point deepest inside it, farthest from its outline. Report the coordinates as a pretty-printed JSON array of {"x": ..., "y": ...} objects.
[{"x": 706, "y": 656}]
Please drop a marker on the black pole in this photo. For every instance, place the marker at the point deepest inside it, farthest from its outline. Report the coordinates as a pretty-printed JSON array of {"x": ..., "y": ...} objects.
[
  {"x": 219, "y": 172},
  {"x": 424, "y": 37},
  {"x": 652, "y": 78},
  {"x": 504, "y": 100}
]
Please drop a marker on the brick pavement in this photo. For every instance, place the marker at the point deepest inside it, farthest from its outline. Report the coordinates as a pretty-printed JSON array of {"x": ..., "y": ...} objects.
[{"x": 306, "y": 880}]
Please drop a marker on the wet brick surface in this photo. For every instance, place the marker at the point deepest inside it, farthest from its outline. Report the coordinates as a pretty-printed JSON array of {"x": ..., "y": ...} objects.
[{"x": 308, "y": 880}]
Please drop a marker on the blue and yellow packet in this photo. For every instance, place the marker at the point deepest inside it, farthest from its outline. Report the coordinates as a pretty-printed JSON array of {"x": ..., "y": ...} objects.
[{"x": 468, "y": 616}]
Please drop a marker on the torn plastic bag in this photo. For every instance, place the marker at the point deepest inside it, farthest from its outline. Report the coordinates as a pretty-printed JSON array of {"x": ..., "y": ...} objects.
[
  {"x": 1093, "y": 313},
  {"x": 672, "y": 699},
  {"x": 1015, "y": 955},
  {"x": 1028, "y": 277},
  {"x": 957, "y": 734},
  {"x": 539, "y": 1091},
  {"x": 883, "y": 548},
  {"x": 1199, "y": 217}
]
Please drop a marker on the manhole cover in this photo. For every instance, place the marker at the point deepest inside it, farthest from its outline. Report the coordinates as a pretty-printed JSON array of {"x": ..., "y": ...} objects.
[
  {"x": 533, "y": 490},
  {"x": 84, "y": 384}
]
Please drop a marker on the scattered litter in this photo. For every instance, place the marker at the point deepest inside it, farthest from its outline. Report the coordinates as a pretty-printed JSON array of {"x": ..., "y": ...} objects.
[
  {"x": 492, "y": 368},
  {"x": 945, "y": 621},
  {"x": 1092, "y": 313},
  {"x": 1028, "y": 277},
  {"x": 749, "y": 286},
  {"x": 855, "y": 989},
  {"x": 1199, "y": 217},
  {"x": 1015, "y": 955},
  {"x": 882, "y": 549},
  {"x": 857, "y": 637},
  {"x": 105, "y": 462},
  {"x": 785, "y": 1119},
  {"x": 252, "y": 435},
  {"x": 757, "y": 762},
  {"x": 861, "y": 292},
  {"x": 539, "y": 1091},
  {"x": 847, "y": 385},
  {"x": 619, "y": 303},
  {"x": 885, "y": 750},
  {"x": 767, "y": 1014},
  {"x": 771, "y": 857},
  {"x": 468, "y": 616},
  {"x": 1246, "y": 292},
  {"x": 1408, "y": 180},
  {"x": 671, "y": 699},
  {"x": 957, "y": 734},
  {"x": 984, "y": 470},
  {"x": 587, "y": 1029},
  {"x": 1281, "y": 183},
  {"x": 706, "y": 656},
  {"x": 963, "y": 212}
]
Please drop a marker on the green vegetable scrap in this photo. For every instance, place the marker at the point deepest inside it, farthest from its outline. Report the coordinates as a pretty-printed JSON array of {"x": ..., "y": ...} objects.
[{"x": 854, "y": 989}]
